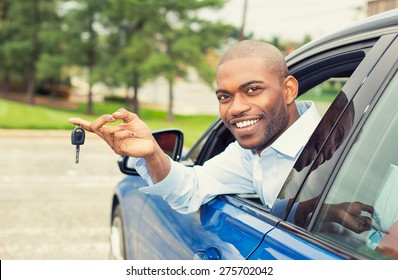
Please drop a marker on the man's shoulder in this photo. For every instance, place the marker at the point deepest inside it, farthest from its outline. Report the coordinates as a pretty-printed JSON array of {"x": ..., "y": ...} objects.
[
  {"x": 308, "y": 109},
  {"x": 304, "y": 105}
]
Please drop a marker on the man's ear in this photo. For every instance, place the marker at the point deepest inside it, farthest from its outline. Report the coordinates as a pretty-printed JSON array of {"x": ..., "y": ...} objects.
[{"x": 291, "y": 89}]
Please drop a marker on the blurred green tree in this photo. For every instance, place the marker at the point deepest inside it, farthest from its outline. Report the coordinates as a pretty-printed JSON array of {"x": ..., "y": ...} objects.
[
  {"x": 25, "y": 30},
  {"x": 151, "y": 38},
  {"x": 84, "y": 37},
  {"x": 130, "y": 26},
  {"x": 182, "y": 41},
  {"x": 5, "y": 34}
]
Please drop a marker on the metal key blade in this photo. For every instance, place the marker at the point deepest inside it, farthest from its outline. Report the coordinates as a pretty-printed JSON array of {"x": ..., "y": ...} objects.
[{"x": 77, "y": 154}]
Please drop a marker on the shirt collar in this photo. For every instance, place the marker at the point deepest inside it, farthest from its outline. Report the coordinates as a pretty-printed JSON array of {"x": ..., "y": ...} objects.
[{"x": 296, "y": 136}]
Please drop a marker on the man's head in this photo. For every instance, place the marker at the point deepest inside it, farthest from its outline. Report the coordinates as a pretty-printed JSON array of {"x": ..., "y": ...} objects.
[
  {"x": 256, "y": 94},
  {"x": 272, "y": 58}
]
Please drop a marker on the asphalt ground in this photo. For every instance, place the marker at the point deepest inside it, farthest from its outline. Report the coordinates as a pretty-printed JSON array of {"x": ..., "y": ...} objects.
[{"x": 50, "y": 207}]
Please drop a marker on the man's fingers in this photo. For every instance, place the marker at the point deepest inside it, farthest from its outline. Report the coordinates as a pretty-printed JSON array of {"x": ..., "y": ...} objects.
[
  {"x": 119, "y": 143},
  {"x": 364, "y": 223},
  {"x": 124, "y": 115},
  {"x": 95, "y": 126},
  {"x": 83, "y": 123},
  {"x": 101, "y": 121},
  {"x": 107, "y": 133},
  {"x": 356, "y": 224},
  {"x": 367, "y": 208}
]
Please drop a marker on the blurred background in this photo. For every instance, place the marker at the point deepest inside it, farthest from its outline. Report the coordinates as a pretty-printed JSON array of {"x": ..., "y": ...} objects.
[{"x": 85, "y": 58}]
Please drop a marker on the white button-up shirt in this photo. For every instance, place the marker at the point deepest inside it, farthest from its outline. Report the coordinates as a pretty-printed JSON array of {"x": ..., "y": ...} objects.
[{"x": 236, "y": 170}]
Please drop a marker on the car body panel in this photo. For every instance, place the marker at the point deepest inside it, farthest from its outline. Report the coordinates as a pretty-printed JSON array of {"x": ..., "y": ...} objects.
[
  {"x": 219, "y": 226},
  {"x": 281, "y": 245},
  {"x": 126, "y": 194}
]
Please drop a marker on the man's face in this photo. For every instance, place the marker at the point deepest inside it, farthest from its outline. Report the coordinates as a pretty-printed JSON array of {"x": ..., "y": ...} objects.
[{"x": 251, "y": 102}]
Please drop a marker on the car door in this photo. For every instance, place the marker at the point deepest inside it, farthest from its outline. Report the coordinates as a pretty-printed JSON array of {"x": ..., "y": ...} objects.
[
  {"x": 218, "y": 231},
  {"x": 356, "y": 163}
]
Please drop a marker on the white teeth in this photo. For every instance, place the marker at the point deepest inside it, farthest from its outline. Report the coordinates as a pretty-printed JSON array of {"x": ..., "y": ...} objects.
[{"x": 246, "y": 123}]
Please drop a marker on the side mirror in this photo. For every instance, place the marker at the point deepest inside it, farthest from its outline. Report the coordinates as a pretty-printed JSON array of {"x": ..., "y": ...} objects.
[{"x": 171, "y": 142}]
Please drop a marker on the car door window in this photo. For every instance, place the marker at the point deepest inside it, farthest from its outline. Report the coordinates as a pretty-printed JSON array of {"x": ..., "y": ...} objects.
[{"x": 368, "y": 175}]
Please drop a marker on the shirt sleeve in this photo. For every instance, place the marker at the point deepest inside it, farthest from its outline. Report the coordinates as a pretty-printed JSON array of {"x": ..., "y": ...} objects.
[{"x": 187, "y": 188}]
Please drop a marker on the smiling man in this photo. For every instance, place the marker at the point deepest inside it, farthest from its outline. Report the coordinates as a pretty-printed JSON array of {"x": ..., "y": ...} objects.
[
  {"x": 256, "y": 94},
  {"x": 257, "y": 103}
]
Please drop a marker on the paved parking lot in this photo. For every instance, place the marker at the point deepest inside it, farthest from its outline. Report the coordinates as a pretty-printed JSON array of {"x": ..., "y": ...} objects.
[{"x": 50, "y": 207}]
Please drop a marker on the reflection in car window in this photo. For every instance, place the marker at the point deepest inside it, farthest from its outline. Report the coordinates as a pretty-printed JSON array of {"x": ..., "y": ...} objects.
[
  {"x": 312, "y": 157},
  {"x": 369, "y": 175}
]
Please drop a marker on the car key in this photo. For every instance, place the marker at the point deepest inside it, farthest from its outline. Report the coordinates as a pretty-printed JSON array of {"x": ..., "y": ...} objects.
[{"x": 77, "y": 138}]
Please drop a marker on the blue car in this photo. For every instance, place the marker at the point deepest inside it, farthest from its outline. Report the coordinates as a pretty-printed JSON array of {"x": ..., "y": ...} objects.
[{"x": 352, "y": 157}]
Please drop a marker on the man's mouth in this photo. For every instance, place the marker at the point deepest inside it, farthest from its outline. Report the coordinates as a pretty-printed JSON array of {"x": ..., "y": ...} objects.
[{"x": 247, "y": 123}]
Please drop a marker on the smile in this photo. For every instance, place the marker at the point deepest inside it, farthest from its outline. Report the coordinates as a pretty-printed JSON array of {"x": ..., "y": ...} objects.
[{"x": 246, "y": 123}]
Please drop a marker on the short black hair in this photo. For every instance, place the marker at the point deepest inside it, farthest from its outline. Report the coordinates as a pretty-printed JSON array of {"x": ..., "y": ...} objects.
[{"x": 273, "y": 58}]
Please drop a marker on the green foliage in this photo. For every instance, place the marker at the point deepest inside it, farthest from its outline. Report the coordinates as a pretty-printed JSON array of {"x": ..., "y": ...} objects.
[
  {"x": 142, "y": 46},
  {"x": 183, "y": 40},
  {"x": 83, "y": 28},
  {"x": 114, "y": 99},
  {"x": 50, "y": 67}
]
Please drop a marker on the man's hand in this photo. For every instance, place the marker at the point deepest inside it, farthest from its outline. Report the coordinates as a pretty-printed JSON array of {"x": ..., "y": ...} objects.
[
  {"x": 132, "y": 138},
  {"x": 349, "y": 215}
]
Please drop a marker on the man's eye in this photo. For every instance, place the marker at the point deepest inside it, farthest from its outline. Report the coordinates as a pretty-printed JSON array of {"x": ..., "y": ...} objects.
[
  {"x": 222, "y": 97},
  {"x": 252, "y": 89}
]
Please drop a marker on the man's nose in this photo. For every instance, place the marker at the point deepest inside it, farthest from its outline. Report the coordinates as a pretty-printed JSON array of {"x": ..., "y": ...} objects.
[{"x": 239, "y": 105}]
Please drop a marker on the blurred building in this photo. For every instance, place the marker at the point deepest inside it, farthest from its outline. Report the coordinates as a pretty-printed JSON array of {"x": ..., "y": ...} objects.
[{"x": 378, "y": 6}]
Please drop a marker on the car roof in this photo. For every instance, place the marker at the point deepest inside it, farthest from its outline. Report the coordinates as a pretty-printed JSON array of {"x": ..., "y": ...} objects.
[{"x": 366, "y": 29}]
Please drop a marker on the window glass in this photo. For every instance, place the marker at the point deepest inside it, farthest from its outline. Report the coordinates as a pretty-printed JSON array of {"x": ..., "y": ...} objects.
[
  {"x": 360, "y": 211},
  {"x": 316, "y": 161},
  {"x": 191, "y": 157},
  {"x": 324, "y": 93}
]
